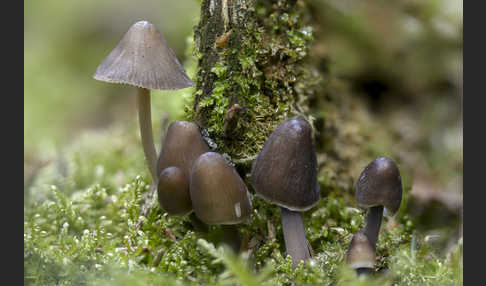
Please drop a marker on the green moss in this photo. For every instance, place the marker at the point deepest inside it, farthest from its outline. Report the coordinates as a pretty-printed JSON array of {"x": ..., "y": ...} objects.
[
  {"x": 92, "y": 236},
  {"x": 261, "y": 67}
]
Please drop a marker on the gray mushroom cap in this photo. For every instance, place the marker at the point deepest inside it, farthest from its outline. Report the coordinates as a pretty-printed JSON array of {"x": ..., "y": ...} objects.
[
  {"x": 143, "y": 59},
  {"x": 360, "y": 253},
  {"x": 219, "y": 195},
  {"x": 183, "y": 144},
  {"x": 380, "y": 184},
  {"x": 173, "y": 192},
  {"x": 285, "y": 170}
]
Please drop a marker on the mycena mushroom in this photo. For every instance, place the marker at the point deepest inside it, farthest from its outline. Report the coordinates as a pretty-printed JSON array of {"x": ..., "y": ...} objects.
[
  {"x": 285, "y": 173},
  {"x": 379, "y": 188},
  {"x": 144, "y": 59},
  {"x": 219, "y": 196},
  {"x": 182, "y": 145},
  {"x": 361, "y": 254},
  {"x": 173, "y": 192}
]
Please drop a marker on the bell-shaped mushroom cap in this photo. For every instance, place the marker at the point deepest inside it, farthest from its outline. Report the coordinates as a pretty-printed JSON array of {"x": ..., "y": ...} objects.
[
  {"x": 285, "y": 170},
  {"x": 183, "y": 144},
  {"x": 219, "y": 195},
  {"x": 173, "y": 192},
  {"x": 380, "y": 184},
  {"x": 143, "y": 59},
  {"x": 360, "y": 253}
]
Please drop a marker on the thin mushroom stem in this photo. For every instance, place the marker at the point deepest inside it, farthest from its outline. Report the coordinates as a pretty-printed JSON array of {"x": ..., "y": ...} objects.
[
  {"x": 294, "y": 236},
  {"x": 145, "y": 123},
  {"x": 373, "y": 223},
  {"x": 232, "y": 236}
]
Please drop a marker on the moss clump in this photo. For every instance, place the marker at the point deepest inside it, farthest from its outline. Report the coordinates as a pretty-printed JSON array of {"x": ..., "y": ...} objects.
[
  {"x": 254, "y": 56},
  {"x": 88, "y": 234}
]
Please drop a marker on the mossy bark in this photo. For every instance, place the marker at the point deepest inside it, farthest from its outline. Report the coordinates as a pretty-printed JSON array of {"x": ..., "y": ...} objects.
[
  {"x": 262, "y": 62},
  {"x": 252, "y": 73}
]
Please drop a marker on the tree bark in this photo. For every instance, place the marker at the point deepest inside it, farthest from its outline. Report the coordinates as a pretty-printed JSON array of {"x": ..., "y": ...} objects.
[{"x": 252, "y": 73}]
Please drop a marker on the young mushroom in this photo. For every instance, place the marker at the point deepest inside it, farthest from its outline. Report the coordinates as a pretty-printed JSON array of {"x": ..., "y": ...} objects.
[
  {"x": 285, "y": 173},
  {"x": 143, "y": 59},
  {"x": 379, "y": 186},
  {"x": 219, "y": 195},
  {"x": 361, "y": 254},
  {"x": 173, "y": 192},
  {"x": 182, "y": 145}
]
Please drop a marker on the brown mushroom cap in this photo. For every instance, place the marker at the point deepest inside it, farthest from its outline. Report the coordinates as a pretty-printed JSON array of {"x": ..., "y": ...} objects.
[
  {"x": 380, "y": 184},
  {"x": 183, "y": 144},
  {"x": 219, "y": 195},
  {"x": 360, "y": 253},
  {"x": 143, "y": 59},
  {"x": 285, "y": 171},
  {"x": 173, "y": 192}
]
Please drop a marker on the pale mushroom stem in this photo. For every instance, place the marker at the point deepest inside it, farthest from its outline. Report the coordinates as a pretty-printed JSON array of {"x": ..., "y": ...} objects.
[
  {"x": 232, "y": 236},
  {"x": 294, "y": 236},
  {"x": 145, "y": 122},
  {"x": 373, "y": 223}
]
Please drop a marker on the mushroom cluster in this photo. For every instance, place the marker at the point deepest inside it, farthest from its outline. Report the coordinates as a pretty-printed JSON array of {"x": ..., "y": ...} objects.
[
  {"x": 379, "y": 189},
  {"x": 144, "y": 59},
  {"x": 182, "y": 145},
  {"x": 192, "y": 180}
]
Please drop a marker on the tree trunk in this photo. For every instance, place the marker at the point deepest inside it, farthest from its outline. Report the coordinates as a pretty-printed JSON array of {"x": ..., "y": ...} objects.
[
  {"x": 263, "y": 62},
  {"x": 252, "y": 72}
]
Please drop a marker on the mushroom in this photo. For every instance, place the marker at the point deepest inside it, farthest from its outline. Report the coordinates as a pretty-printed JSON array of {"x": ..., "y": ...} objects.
[
  {"x": 285, "y": 173},
  {"x": 144, "y": 59},
  {"x": 219, "y": 195},
  {"x": 173, "y": 192},
  {"x": 182, "y": 145},
  {"x": 361, "y": 254},
  {"x": 379, "y": 186}
]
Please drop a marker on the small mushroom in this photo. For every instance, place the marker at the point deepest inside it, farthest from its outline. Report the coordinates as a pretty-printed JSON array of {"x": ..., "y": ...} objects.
[
  {"x": 285, "y": 173},
  {"x": 379, "y": 186},
  {"x": 144, "y": 59},
  {"x": 219, "y": 195},
  {"x": 182, "y": 145},
  {"x": 173, "y": 192},
  {"x": 361, "y": 254}
]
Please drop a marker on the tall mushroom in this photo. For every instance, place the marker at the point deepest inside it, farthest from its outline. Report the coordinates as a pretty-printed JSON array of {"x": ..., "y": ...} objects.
[
  {"x": 183, "y": 144},
  {"x": 379, "y": 186},
  {"x": 361, "y": 254},
  {"x": 219, "y": 195},
  {"x": 285, "y": 173},
  {"x": 144, "y": 59}
]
